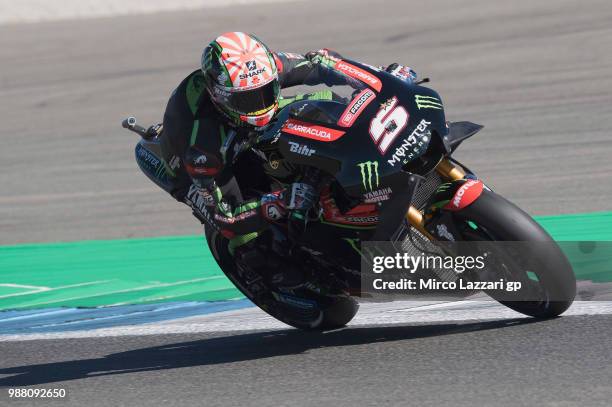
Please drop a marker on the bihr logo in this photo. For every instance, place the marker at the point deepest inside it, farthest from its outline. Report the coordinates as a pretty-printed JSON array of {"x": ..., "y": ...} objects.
[
  {"x": 301, "y": 149},
  {"x": 369, "y": 173}
]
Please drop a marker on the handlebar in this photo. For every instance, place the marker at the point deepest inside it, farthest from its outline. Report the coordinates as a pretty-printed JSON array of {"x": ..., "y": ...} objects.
[{"x": 130, "y": 124}]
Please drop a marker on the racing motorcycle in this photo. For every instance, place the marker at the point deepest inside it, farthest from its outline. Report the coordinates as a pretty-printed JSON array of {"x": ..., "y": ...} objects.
[{"x": 386, "y": 155}]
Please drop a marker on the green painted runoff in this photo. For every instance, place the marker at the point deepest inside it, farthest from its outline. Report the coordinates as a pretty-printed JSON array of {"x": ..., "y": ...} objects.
[{"x": 136, "y": 271}]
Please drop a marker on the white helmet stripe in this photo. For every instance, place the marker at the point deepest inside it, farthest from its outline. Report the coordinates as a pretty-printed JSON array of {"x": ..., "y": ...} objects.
[
  {"x": 232, "y": 68},
  {"x": 227, "y": 42},
  {"x": 231, "y": 51},
  {"x": 262, "y": 59},
  {"x": 243, "y": 40}
]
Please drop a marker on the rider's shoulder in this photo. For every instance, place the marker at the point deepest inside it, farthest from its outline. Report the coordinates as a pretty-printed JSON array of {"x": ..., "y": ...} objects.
[
  {"x": 196, "y": 77},
  {"x": 190, "y": 91},
  {"x": 194, "y": 82}
]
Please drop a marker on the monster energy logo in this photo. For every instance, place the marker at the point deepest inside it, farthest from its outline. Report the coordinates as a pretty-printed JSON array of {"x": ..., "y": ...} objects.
[
  {"x": 368, "y": 169},
  {"x": 427, "y": 102}
]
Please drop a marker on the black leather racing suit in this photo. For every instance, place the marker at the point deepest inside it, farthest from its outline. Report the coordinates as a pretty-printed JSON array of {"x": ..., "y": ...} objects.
[{"x": 194, "y": 131}]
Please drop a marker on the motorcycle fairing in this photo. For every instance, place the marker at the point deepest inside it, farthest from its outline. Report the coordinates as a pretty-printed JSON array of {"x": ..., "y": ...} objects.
[
  {"x": 360, "y": 167},
  {"x": 364, "y": 216},
  {"x": 345, "y": 157},
  {"x": 148, "y": 157}
]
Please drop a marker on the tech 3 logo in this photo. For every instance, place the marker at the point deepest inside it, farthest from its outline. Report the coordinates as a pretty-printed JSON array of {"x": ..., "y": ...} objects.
[
  {"x": 427, "y": 102},
  {"x": 369, "y": 170}
]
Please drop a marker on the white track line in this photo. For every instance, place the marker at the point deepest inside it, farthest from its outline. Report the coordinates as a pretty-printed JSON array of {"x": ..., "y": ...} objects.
[
  {"x": 31, "y": 287},
  {"x": 369, "y": 314},
  {"x": 127, "y": 290},
  {"x": 48, "y": 289},
  {"x": 168, "y": 297},
  {"x": 32, "y": 290}
]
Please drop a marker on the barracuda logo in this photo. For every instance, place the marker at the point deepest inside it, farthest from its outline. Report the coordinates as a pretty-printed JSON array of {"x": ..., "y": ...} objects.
[
  {"x": 369, "y": 170},
  {"x": 427, "y": 102}
]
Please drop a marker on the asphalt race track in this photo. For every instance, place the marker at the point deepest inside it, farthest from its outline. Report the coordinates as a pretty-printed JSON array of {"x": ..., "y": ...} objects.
[
  {"x": 504, "y": 362},
  {"x": 538, "y": 75}
]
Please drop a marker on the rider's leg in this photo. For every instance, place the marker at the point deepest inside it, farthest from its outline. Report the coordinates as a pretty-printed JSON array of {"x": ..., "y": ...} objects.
[{"x": 266, "y": 254}]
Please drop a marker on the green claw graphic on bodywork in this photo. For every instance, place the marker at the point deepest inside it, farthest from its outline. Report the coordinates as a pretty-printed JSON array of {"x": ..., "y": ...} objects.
[
  {"x": 427, "y": 102},
  {"x": 371, "y": 168}
]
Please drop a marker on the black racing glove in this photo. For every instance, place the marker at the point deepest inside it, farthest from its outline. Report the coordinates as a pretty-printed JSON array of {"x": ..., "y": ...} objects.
[{"x": 323, "y": 56}]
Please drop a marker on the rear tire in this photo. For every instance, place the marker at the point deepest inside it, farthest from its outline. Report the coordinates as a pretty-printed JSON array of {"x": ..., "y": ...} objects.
[
  {"x": 504, "y": 221},
  {"x": 330, "y": 312}
]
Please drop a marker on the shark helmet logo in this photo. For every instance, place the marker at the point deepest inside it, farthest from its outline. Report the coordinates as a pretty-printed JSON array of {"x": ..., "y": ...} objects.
[
  {"x": 369, "y": 174},
  {"x": 251, "y": 65}
]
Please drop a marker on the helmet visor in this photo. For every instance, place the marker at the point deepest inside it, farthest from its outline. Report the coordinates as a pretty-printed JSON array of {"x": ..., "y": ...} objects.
[{"x": 250, "y": 102}]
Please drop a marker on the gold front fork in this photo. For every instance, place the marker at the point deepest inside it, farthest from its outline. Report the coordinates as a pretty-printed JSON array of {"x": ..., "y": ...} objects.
[{"x": 448, "y": 171}]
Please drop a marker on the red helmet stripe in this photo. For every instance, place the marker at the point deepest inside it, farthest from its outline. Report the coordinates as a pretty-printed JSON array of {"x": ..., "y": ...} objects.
[{"x": 245, "y": 59}]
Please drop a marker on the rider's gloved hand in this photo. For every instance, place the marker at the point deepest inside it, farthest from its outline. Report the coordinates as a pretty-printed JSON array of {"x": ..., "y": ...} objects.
[
  {"x": 405, "y": 73},
  {"x": 323, "y": 56},
  {"x": 302, "y": 198}
]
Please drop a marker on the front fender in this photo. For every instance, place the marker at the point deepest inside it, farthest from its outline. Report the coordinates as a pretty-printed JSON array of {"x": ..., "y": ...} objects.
[
  {"x": 456, "y": 195},
  {"x": 449, "y": 199}
]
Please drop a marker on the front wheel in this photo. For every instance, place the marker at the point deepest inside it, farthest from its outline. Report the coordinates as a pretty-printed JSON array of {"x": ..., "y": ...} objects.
[
  {"x": 493, "y": 218},
  {"x": 319, "y": 314}
]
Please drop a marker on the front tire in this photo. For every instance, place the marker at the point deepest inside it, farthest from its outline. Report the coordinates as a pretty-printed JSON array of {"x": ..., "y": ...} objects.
[{"x": 500, "y": 220}]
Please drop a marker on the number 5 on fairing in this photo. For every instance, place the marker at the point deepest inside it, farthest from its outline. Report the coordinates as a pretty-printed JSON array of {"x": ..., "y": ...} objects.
[{"x": 388, "y": 124}]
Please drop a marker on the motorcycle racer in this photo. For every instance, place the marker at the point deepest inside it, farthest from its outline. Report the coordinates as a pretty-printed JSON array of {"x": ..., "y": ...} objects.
[
  {"x": 226, "y": 103},
  {"x": 233, "y": 151}
]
